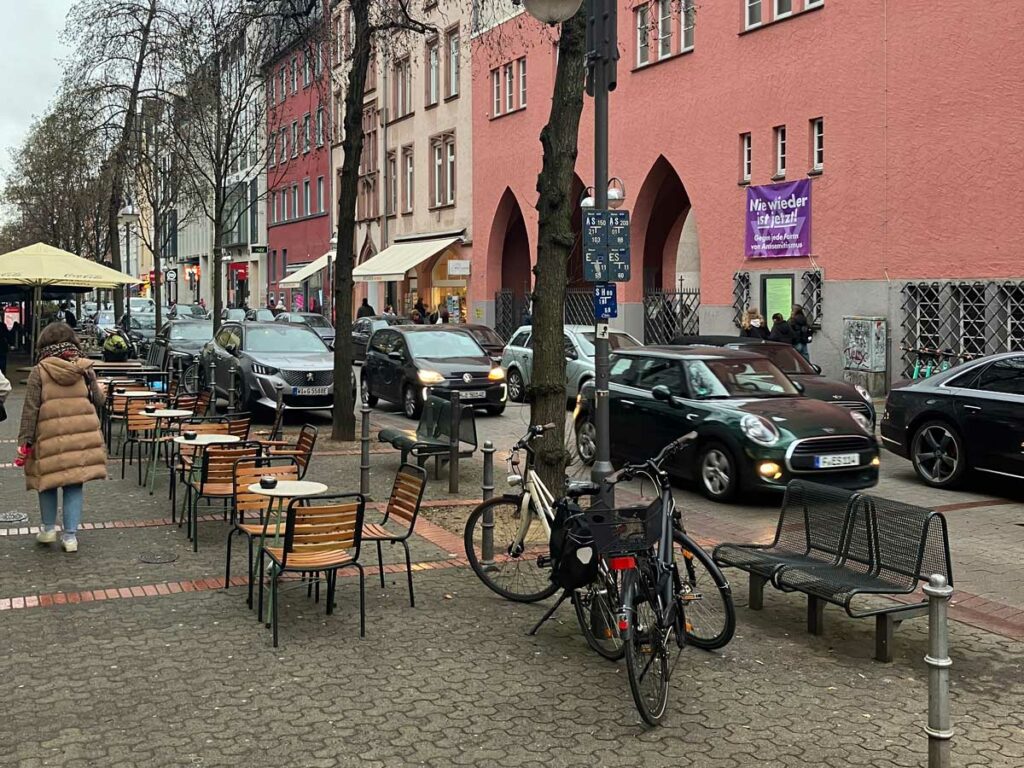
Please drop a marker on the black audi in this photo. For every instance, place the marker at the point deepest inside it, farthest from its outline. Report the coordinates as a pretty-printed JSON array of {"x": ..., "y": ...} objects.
[
  {"x": 970, "y": 417},
  {"x": 407, "y": 363}
]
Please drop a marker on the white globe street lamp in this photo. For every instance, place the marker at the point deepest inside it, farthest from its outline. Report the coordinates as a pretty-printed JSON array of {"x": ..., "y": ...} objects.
[{"x": 552, "y": 11}]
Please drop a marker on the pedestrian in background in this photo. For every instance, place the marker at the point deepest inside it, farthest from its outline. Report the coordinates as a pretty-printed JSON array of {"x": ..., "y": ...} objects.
[
  {"x": 801, "y": 331},
  {"x": 752, "y": 325},
  {"x": 781, "y": 330},
  {"x": 5, "y": 390},
  {"x": 60, "y": 444},
  {"x": 365, "y": 309},
  {"x": 5, "y": 345}
]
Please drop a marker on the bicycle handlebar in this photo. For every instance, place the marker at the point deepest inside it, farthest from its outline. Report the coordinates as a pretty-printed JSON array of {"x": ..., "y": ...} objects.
[
  {"x": 535, "y": 430},
  {"x": 630, "y": 470}
]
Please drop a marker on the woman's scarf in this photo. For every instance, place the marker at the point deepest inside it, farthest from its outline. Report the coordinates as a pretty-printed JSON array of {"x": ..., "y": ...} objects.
[{"x": 64, "y": 350}]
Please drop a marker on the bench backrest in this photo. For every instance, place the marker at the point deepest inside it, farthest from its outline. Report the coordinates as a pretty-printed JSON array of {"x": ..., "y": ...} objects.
[
  {"x": 905, "y": 543},
  {"x": 814, "y": 518},
  {"x": 436, "y": 419}
]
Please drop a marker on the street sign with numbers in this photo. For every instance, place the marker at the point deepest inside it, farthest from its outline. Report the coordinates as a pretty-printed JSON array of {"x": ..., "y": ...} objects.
[
  {"x": 606, "y": 246},
  {"x": 605, "y": 301}
]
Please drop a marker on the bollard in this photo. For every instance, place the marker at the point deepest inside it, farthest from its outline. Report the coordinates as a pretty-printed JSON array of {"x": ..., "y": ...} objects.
[
  {"x": 939, "y": 729},
  {"x": 213, "y": 387},
  {"x": 232, "y": 380},
  {"x": 279, "y": 415},
  {"x": 453, "y": 443},
  {"x": 364, "y": 451},
  {"x": 487, "y": 489}
]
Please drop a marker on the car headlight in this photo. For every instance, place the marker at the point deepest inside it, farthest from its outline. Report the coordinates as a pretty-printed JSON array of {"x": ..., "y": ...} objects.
[
  {"x": 862, "y": 392},
  {"x": 759, "y": 429},
  {"x": 862, "y": 421},
  {"x": 263, "y": 370},
  {"x": 496, "y": 374},
  {"x": 429, "y": 377}
]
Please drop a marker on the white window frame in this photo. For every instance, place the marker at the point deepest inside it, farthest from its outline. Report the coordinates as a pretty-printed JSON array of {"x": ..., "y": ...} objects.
[
  {"x": 391, "y": 187},
  {"x": 454, "y": 62},
  {"x": 449, "y": 171},
  {"x": 283, "y": 157},
  {"x": 295, "y": 74},
  {"x": 642, "y": 20},
  {"x": 307, "y": 198},
  {"x": 433, "y": 72},
  {"x": 307, "y": 130},
  {"x": 780, "y": 150},
  {"x": 510, "y": 88},
  {"x": 438, "y": 159},
  {"x": 808, "y": 4},
  {"x": 522, "y": 82},
  {"x": 818, "y": 144},
  {"x": 409, "y": 178},
  {"x": 295, "y": 138},
  {"x": 319, "y": 194},
  {"x": 664, "y": 29},
  {"x": 295, "y": 201},
  {"x": 780, "y": 14},
  {"x": 273, "y": 209},
  {"x": 748, "y": 8},
  {"x": 746, "y": 156},
  {"x": 307, "y": 70},
  {"x": 496, "y": 91},
  {"x": 687, "y": 25},
  {"x": 319, "y": 126}
]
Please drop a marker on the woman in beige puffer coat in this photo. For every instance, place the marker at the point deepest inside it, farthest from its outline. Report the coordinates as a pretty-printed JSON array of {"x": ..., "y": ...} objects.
[{"x": 60, "y": 440}]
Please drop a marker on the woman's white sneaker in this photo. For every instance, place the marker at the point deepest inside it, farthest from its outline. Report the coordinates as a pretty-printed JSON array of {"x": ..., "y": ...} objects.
[
  {"x": 69, "y": 545},
  {"x": 46, "y": 537}
]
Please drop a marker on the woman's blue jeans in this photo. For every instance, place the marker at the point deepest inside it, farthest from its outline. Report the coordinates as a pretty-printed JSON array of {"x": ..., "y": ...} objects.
[
  {"x": 74, "y": 495},
  {"x": 801, "y": 347}
]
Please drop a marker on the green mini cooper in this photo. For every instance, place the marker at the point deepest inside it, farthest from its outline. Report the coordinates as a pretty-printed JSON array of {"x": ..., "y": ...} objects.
[{"x": 756, "y": 430}]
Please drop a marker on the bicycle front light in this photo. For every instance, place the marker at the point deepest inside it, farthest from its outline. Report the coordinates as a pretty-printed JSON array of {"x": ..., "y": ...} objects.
[
  {"x": 515, "y": 480},
  {"x": 759, "y": 429}
]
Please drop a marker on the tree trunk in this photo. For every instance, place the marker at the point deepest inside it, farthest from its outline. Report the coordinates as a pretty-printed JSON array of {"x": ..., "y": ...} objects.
[
  {"x": 344, "y": 421},
  {"x": 554, "y": 245}
]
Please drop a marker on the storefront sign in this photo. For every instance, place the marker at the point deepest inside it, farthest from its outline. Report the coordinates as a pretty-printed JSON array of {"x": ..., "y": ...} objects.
[
  {"x": 458, "y": 267},
  {"x": 240, "y": 270},
  {"x": 778, "y": 220}
]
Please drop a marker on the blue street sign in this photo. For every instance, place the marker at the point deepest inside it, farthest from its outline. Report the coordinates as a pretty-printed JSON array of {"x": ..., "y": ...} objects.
[
  {"x": 605, "y": 301},
  {"x": 606, "y": 246}
]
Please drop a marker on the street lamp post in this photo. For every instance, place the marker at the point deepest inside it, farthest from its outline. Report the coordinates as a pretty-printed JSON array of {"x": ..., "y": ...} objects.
[{"x": 128, "y": 215}]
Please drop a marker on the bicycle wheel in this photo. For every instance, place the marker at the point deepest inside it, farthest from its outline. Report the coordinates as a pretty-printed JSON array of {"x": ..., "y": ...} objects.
[
  {"x": 707, "y": 596},
  {"x": 597, "y": 607},
  {"x": 190, "y": 379},
  {"x": 646, "y": 655},
  {"x": 514, "y": 570}
]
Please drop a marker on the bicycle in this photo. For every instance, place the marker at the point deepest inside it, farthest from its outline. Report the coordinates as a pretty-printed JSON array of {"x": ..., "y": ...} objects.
[{"x": 639, "y": 544}]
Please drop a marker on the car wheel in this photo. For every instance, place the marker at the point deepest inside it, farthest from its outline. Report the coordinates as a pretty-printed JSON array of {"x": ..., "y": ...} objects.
[
  {"x": 586, "y": 442},
  {"x": 516, "y": 386},
  {"x": 495, "y": 410},
  {"x": 369, "y": 399},
  {"x": 938, "y": 454},
  {"x": 717, "y": 472},
  {"x": 412, "y": 406}
]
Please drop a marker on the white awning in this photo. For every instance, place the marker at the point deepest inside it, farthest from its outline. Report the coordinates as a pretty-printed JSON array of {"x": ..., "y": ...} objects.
[
  {"x": 393, "y": 262},
  {"x": 297, "y": 278}
]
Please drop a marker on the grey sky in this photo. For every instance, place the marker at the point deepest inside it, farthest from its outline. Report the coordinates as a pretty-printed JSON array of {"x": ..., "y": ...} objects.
[{"x": 30, "y": 31}]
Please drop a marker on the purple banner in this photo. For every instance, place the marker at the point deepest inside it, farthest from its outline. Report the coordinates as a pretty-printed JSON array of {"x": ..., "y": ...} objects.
[{"x": 779, "y": 220}]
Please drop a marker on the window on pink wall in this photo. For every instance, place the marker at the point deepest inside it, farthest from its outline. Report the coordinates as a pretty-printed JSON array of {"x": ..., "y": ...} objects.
[{"x": 641, "y": 17}]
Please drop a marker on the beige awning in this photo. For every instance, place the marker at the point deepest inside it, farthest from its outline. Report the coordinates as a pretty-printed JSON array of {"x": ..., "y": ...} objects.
[
  {"x": 44, "y": 266},
  {"x": 395, "y": 261},
  {"x": 297, "y": 278}
]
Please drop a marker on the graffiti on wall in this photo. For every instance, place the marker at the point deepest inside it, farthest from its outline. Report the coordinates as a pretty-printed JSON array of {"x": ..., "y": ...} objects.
[{"x": 864, "y": 343}]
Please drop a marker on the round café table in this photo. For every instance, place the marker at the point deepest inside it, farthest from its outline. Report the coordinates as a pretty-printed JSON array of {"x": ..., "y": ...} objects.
[
  {"x": 285, "y": 489},
  {"x": 160, "y": 414}
]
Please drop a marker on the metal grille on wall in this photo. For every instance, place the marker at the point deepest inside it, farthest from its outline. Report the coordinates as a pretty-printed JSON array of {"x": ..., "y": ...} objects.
[
  {"x": 668, "y": 314},
  {"x": 810, "y": 292},
  {"x": 508, "y": 313},
  {"x": 579, "y": 306},
  {"x": 960, "y": 320},
  {"x": 740, "y": 296}
]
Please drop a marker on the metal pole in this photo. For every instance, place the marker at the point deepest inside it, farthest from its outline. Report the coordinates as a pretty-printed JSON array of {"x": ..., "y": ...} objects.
[
  {"x": 213, "y": 387},
  {"x": 279, "y": 420},
  {"x": 453, "y": 443},
  {"x": 232, "y": 374},
  {"x": 939, "y": 729},
  {"x": 605, "y": 19},
  {"x": 128, "y": 288},
  {"x": 364, "y": 451},
  {"x": 487, "y": 490}
]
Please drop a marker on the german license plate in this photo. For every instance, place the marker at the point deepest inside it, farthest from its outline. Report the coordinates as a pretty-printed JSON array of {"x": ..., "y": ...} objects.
[
  {"x": 311, "y": 390},
  {"x": 472, "y": 394},
  {"x": 837, "y": 460}
]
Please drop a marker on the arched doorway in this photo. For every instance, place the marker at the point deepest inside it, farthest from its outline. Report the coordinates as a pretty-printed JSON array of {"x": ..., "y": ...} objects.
[{"x": 510, "y": 248}]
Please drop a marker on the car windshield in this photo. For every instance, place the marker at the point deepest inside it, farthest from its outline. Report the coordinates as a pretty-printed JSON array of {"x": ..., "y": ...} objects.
[
  {"x": 104, "y": 318},
  {"x": 317, "y": 321},
  {"x": 193, "y": 310},
  {"x": 786, "y": 358},
  {"x": 145, "y": 321},
  {"x": 737, "y": 378},
  {"x": 616, "y": 340},
  {"x": 264, "y": 315},
  {"x": 486, "y": 336},
  {"x": 191, "y": 332},
  {"x": 385, "y": 322},
  {"x": 441, "y": 344},
  {"x": 282, "y": 338}
]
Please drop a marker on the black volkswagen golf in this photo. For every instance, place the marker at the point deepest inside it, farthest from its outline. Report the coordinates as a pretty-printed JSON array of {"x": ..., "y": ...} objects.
[
  {"x": 969, "y": 417},
  {"x": 408, "y": 363}
]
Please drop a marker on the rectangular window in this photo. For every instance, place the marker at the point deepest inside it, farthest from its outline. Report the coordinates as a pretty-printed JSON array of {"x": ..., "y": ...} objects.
[
  {"x": 522, "y": 82},
  {"x": 283, "y": 88},
  {"x": 510, "y": 88},
  {"x": 746, "y": 157},
  {"x": 272, "y": 274},
  {"x": 783, "y": 8},
  {"x": 392, "y": 185},
  {"x": 407, "y": 191},
  {"x": 295, "y": 74},
  {"x": 371, "y": 72},
  {"x": 689, "y": 22},
  {"x": 753, "y": 13},
  {"x": 664, "y": 28},
  {"x": 295, "y": 201},
  {"x": 433, "y": 73},
  {"x": 307, "y": 207},
  {"x": 449, "y": 170},
  {"x": 270, "y": 89},
  {"x": 284, "y": 146},
  {"x": 318, "y": 60},
  {"x": 295, "y": 138},
  {"x": 307, "y": 70},
  {"x": 496, "y": 88},
  {"x": 780, "y": 150},
  {"x": 402, "y": 90},
  {"x": 272, "y": 150},
  {"x": 438, "y": 173},
  {"x": 273, "y": 209},
  {"x": 808, "y": 4},
  {"x": 643, "y": 35},
  {"x": 320, "y": 194},
  {"x": 818, "y": 143},
  {"x": 320, "y": 126},
  {"x": 306, "y": 132},
  {"x": 453, "y": 62}
]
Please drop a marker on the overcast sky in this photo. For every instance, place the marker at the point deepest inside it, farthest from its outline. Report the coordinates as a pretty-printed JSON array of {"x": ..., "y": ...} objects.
[{"x": 30, "y": 31}]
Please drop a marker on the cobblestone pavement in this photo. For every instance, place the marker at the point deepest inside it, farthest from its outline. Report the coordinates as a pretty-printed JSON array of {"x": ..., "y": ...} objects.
[{"x": 109, "y": 661}]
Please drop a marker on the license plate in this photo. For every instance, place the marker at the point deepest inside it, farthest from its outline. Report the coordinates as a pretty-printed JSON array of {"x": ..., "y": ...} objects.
[
  {"x": 837, "y": 460},
  {"x": 472, "y": 394},
  {"x": 311, "y": 390}
]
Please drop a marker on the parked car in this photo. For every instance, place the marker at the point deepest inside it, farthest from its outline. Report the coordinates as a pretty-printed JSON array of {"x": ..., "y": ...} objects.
[
  {"x": 141, "y": 304},
  {"x": 232, "y": 314},
  {"x": 142, "y": 329},
  {"x": 260, "y": 315},
  {"x": 755, "y": 430},
  {"x": 103, "y": 321},
  {"x": 970, "y": 417},
  {"x": 319, "y": 324},
  {"x": 517, "y": 358},
  {"x": 487, "y": 338},
  {"x": 794, "y": 365},
  {"x": 363, "y": 328},
  {"x": 407, "y": 363},
  {"x": 188, "y": 312},
  {"x": 184, "y": 337},
  {"x": 268, "y": 356}
]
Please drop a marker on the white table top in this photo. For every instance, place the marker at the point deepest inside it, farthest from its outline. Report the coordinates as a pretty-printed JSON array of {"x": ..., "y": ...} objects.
[
  {"x": 152, "y": 395},
  {"x": 206, "y": 439},
  {"x": 290, "y": 489},
  {"x": 168, "y": 413}
]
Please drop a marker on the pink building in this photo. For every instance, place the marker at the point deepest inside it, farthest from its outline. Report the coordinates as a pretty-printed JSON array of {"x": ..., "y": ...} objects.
[{"x": 904, "y": 121}]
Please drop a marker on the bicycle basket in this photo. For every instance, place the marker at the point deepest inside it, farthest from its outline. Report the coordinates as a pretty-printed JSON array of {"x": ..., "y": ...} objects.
[{"x": 625, "y": 530}]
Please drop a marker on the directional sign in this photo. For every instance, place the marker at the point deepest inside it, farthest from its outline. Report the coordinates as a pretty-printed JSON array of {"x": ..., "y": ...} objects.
[
  {"x": 605, "y": 301},
  {"x": 171, "y": 276},
  {"x": 606, "y": 246}
]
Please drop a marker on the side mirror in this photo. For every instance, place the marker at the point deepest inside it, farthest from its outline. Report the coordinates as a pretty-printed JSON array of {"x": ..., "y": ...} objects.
[
  {"x": 816, "y": 367},
  {"x": 799, "y": 387},
  {"x": 231, "y": 349},
  {"x": 570, "y": 354},
  {"x": 395, "y": 354},
  {"x": 663, "y": 394}
]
